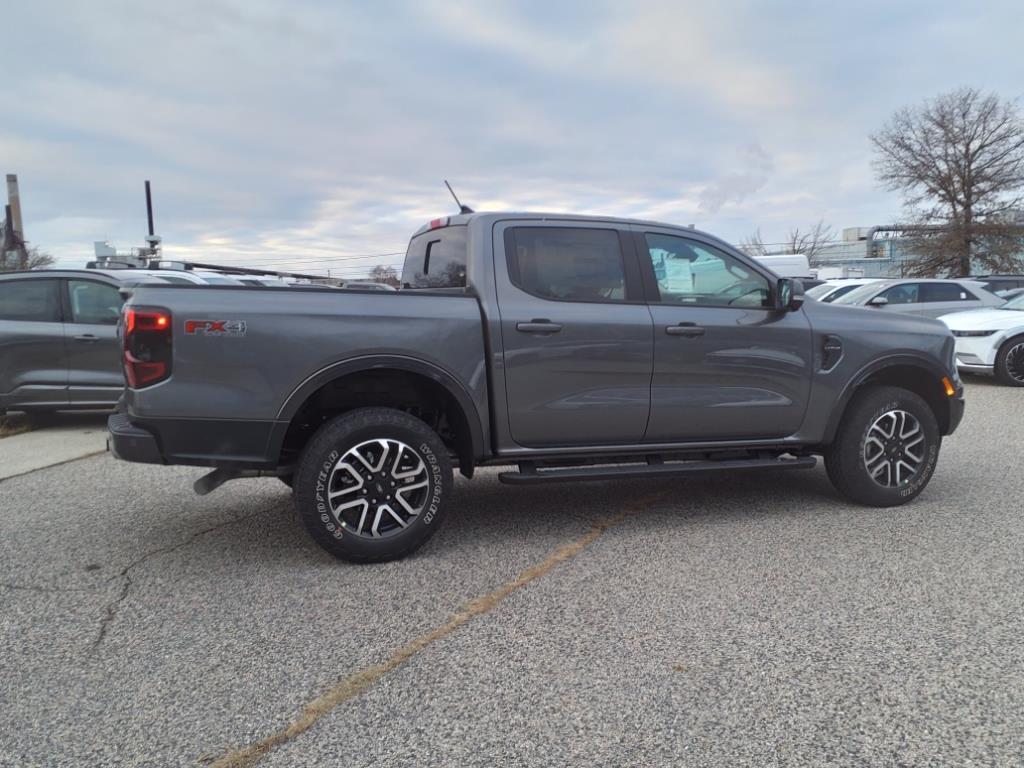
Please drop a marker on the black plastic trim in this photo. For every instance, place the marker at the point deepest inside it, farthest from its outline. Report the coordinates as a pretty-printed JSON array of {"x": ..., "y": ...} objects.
[
  {"x": 880, "y": 364},
  {"x": 573, "y": 474},
  {"x": 338, "y": 370},
  {"x": 129, "y": 442}
]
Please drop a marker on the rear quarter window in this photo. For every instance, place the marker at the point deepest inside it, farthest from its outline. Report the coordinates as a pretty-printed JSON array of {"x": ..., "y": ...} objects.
[{"x": 436, "y": 259}]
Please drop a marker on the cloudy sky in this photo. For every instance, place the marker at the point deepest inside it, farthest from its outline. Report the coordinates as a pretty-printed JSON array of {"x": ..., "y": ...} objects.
[{"x": 316, "y": 135}]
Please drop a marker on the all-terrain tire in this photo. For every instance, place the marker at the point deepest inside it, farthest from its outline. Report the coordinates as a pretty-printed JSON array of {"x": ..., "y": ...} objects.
[
  {"x": 1009, "y": 367},
  {"x": 393, "y": 461},
  {"x": 862, "y": 441}
]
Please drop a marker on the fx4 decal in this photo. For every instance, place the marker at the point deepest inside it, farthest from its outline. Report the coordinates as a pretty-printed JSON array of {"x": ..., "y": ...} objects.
[{"x": 215, "y": 327}]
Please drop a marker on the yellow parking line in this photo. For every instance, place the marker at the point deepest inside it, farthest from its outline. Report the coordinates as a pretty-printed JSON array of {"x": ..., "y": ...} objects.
[{"x": 354, "y": 685}]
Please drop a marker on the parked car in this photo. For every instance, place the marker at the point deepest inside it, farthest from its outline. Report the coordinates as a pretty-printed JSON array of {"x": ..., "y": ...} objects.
[
  {"x": 931, "y": 298},
  {"x": 991, "y": 341},
  {"x": 831, "y": 290},
  {"x": 579, "y": 348},
  {"x": 1000, "y": 284},
  {"x": 58, "y": 338}
]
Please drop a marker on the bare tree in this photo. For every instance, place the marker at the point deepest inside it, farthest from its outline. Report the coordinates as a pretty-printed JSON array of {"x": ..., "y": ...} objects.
[
  {"x": 383, "y": 274},
  {"x": 810, "y": 242},
  {"x": 36, "y": 259},
  {"x": 754, "y": 245},
  {"x": 959, "y": 161}
]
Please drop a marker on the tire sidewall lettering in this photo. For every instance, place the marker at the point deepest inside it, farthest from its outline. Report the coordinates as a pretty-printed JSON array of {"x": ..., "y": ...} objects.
[
  {"x": 436, "y": 483},
  {"x": 320, "y": 494}
]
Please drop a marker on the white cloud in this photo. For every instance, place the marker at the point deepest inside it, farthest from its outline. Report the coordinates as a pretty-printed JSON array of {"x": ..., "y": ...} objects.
[{"x": 305, "y": 133}]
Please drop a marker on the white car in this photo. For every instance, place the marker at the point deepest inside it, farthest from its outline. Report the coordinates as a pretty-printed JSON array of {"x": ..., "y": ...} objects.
[
  {"x": 831, "y": 290},
  {"x": 991, "y": 341}
]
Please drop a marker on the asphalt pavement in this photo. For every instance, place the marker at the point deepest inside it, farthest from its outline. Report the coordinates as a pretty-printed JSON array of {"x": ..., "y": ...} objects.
[{"x": 749, "y": 620}]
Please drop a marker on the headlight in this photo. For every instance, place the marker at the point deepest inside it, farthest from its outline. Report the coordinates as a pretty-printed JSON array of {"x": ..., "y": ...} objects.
[{"x": 971, "y": 334}]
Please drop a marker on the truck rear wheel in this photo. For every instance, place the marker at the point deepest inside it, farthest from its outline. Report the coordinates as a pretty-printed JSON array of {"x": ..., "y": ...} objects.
[
  {"x": 373, "y": 485},
  {"x": 886, "y": 448}
]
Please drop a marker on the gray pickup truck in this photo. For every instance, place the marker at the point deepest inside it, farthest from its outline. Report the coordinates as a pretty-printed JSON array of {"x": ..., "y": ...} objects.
[{"x": 576, "y": 348}]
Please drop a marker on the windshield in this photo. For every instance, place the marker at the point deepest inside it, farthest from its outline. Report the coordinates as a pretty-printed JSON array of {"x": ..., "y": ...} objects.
[
  {"x": 819, "y": 290},
  {"x": 859, "y": 295}
]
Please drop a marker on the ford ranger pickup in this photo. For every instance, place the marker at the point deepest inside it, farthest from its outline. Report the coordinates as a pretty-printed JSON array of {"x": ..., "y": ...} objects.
[{"x": 562, "y": 347}]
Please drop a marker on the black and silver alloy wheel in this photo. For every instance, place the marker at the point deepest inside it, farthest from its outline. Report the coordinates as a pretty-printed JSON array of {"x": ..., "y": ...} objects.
[
  {"x": 1010, "y": 362},
  {"x": 885, "y": 450},
  {"x": 894, "y": 449},
  {"x": 377, "y": 487},
  {"x": 373, "y": 484}
]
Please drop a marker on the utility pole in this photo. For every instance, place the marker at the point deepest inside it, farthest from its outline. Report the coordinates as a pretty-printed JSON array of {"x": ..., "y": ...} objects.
[
  {"x": 152, "y": 250},
  {"x": 16, "y": 238}
]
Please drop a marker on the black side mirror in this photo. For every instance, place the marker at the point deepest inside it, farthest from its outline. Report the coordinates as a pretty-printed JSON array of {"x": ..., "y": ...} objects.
[{"x": 789, "y": 294}]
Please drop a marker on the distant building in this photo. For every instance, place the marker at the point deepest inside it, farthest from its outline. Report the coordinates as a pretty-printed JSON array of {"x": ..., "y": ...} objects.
[
  {"x": 883, "y": 255},
  {"x": 879, "y": 251}
]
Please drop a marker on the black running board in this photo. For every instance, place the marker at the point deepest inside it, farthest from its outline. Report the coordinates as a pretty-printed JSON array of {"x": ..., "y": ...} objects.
[{"x": 528, "y": 475}]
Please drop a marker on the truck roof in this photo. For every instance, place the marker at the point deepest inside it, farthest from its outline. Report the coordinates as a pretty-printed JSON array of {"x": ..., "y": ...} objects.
[{"x": 491, "y": 216}]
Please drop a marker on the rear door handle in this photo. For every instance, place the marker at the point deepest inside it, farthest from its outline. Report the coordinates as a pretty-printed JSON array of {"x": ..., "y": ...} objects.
[
  {"x": 87, "y": 338},
  {"x": 689, "y": 330},
  {"x": 538, "y": 326}
]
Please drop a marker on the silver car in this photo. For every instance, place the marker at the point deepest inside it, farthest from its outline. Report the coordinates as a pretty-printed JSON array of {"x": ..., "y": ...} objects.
[{"x": 931, "y": 298}]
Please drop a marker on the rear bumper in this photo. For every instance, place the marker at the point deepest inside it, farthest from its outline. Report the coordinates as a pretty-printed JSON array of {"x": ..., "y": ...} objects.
[
  {"x": 131, "y": 443},
  {"x": 195, "y": 442}
]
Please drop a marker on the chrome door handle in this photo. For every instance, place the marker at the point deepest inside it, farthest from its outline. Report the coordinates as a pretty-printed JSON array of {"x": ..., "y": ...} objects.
[
  {"x": 538, "y": 326},
  {"x": 689, "y": 330},
  {"x": 87, "y": 338}
]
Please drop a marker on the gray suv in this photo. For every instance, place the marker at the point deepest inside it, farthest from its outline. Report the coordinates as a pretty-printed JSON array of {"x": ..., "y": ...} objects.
[{"x": 58, "y": 339}]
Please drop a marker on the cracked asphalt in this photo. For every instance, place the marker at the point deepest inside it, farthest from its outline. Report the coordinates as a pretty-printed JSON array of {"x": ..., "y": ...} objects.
[{"x": 749, "y": 620}]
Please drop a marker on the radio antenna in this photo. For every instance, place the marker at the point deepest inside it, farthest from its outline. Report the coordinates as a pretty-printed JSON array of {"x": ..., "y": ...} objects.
[{"x": 462, "y": 208}]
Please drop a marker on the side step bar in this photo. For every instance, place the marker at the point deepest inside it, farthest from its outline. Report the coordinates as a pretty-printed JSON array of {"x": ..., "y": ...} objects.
[{"x": 531, "y": 475}]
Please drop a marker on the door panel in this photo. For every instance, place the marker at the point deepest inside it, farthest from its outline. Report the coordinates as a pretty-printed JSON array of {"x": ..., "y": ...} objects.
[
  {"x": 938, "y": 299},
  {"x": 577, "y": 367},
  {"x": 726, "y": 365},
  {"x": 90, "y": 337},
  {"x": 746, "y": 375},
  {"x": 33, "y": 363}
]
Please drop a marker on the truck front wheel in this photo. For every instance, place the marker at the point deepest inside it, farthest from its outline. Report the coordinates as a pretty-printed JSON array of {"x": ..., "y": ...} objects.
[
  {"x": 373, "y": 485},
  {"x": 886, "y": 448}
]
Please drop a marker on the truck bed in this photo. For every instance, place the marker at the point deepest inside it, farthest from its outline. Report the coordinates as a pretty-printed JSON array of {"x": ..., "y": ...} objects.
[{"x": 251, "y": 381}]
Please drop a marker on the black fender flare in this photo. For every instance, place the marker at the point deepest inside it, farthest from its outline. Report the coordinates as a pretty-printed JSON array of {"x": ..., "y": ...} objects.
[
  {"x": 343, "y": 368},
  {"x": 926, "y": 364}
]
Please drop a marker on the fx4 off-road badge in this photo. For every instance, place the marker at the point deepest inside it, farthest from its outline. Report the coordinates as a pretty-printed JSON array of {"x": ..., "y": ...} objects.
[{"x": 215, "y": 327}]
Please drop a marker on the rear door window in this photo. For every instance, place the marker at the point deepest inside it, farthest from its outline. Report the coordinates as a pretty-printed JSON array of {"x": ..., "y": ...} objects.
[
  {"x": 568, "y": 264},
  {"x": 36, "y": 301},
  {"x": 933, "y": 292},
  {"x": 436, "y": 259}
]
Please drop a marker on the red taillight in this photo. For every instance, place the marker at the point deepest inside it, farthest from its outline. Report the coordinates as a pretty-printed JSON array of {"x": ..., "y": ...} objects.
[
  {"x": 438, "y": 223},
  {"x": 147, "y": 345}
]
